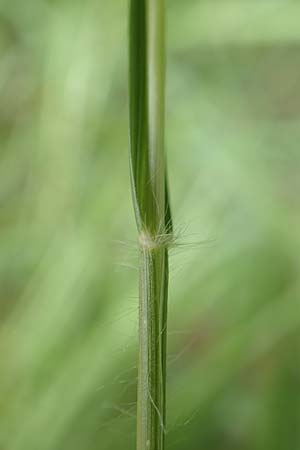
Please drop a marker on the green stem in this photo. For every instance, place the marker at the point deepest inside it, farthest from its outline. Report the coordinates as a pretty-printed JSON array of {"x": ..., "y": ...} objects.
[
  {"x": 152, "y": 210},
  {"x": 152, "y": 350}
]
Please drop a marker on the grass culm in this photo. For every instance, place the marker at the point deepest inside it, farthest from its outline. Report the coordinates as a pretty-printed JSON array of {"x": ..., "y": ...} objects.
[{"x": 152, "y": 211}]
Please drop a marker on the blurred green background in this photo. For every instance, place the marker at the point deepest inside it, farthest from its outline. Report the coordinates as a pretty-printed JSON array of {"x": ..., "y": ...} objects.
[{"x": 68, "y": 261}]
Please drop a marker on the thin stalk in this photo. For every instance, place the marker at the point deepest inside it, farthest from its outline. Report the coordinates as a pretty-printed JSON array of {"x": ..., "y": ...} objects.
[{"x": 152, "y": 211}]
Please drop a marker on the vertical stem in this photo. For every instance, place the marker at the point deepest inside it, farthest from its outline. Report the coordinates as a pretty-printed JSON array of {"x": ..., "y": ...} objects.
[
  {"x": 152, "y": 211},
  {"x": 152, "y": 349}
]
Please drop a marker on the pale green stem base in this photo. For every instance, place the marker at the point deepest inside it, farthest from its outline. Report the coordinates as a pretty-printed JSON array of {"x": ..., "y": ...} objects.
[{"x": 151, "y": 402}]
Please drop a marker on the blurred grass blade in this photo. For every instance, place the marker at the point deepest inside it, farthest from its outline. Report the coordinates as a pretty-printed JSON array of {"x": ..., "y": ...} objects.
[{"x": 152, "y": 210}]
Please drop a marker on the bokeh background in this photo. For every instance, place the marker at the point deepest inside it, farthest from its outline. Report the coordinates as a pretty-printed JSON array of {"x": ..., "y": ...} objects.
[{"x": 68, "y": 261}]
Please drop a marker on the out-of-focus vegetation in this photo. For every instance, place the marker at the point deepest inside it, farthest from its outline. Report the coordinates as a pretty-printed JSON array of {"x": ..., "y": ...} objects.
[{"x": 68, "y": 281}]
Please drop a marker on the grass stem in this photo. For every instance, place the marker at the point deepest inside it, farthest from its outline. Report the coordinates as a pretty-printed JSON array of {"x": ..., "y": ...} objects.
[{"x": 151, "y": 204}]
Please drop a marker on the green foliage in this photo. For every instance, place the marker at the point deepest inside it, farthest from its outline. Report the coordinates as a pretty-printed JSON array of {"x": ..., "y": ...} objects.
[{"x": 68, "y": 330}]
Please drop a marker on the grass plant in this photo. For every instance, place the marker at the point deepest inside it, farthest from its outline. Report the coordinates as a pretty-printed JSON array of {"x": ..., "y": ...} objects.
[
  {"x": 152, "y": 211},
  {"x": 68, "y": 309}
]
